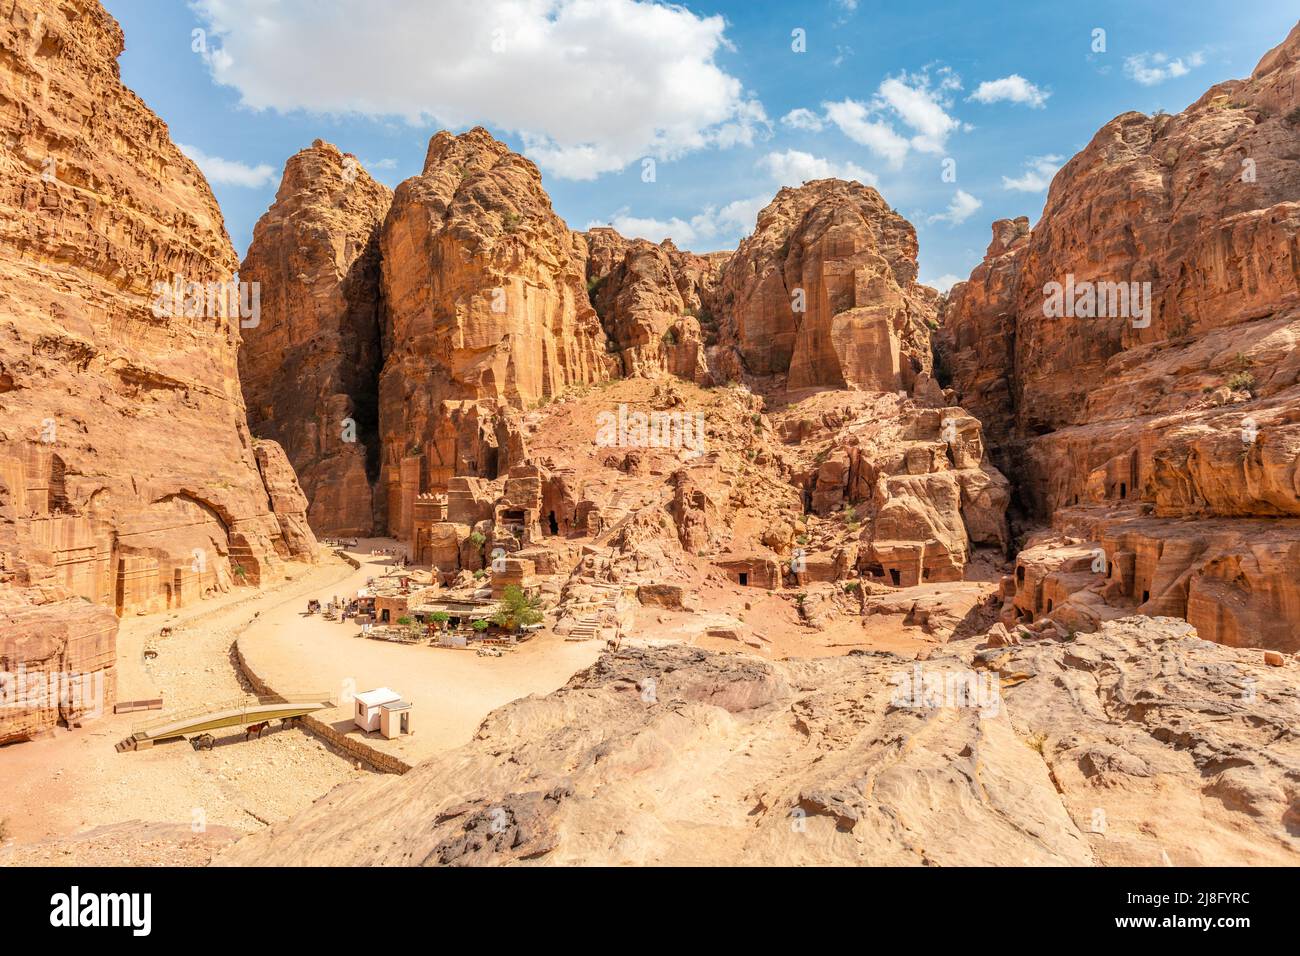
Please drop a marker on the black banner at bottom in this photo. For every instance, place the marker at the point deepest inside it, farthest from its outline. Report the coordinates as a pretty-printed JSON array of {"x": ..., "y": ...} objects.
[{"x": 361, "y": 904}]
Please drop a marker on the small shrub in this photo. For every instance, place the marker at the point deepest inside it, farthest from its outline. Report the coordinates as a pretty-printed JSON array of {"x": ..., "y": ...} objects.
[
  {"x": 670, "y": 338},
  {"x": 477, "y": 539},
  {"x": 404, "y": 621},
  {"x": 1242, "y": 381},
  {"x": 479, "y": 626}
]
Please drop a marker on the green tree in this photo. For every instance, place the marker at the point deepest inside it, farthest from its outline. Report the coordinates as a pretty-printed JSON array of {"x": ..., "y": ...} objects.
[
  {"x": 517, "y": 609},
  {"x": 440, "y": 618}
]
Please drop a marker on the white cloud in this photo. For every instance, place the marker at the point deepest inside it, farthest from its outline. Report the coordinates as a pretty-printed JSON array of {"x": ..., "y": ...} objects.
[
  {"x": 944, "y": 282},
  {"x": 803, "y": 119},
  {"x": 1152, "y": 68},
  {"x": 588, "y": 85},
  {"x": 228, "y": 172},
  {"x": 911, "y": 99},
  {"x": 718, "y": 227},
  {"x": 1012, "y": 89},
  {"x": 961, "y": 208},
  {"x": 920, "y": 109},
  {"x": 853, "y": 120},
  {"x": 1038, "y": 174},
  {"x": 793, "y": 168}
]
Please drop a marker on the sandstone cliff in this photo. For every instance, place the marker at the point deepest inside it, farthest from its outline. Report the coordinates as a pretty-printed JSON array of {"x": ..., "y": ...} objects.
[
  {"x": 485, "y": 301},
  {"x": 127, "y": 472},
  {"x": 824, "y": 292},
  {"x": 310, "y": 369},
  {"x": 651, "y": 300},
  {"x": 1169, "y": 388}
]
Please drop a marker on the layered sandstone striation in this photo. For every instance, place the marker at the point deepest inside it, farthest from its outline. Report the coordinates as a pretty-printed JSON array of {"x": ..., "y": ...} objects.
[
  {"x": 310, "y": 367},
  {"x": 1093, "y": 752},
  {"x": 824, "y": 292},
  {"x": 58, "y": 658},
  {"x": 1159, "y": 416},
  {"x": 486, "y": 303},
  {"x": 652, "y": 301},
  {"x": 128, "y": 476}
]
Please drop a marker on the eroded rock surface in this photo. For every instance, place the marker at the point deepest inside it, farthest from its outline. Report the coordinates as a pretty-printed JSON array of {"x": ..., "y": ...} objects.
[
  {"x": 128, "y": 476},
  {"x": 824, "y": 292},
  {"x": 1095, "y": 751},
  {"x": 1164, "y": 434},
  {"x": 310, "y": 368},
  {"x": 486, "y": 302}
]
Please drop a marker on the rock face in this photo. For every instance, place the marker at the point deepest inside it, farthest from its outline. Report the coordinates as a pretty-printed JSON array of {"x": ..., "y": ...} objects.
[
  {"x": 825, "y": 292},
  {"x": 651, "y": 300},
  {"x": 127, "y": 473},
  {"x": 310, "y": 368},
  {"x": 485, "y": 301},
  {"x": 1092, "y": 752},
  {"x": 57, "y": 661},
  {"x": 1173, "y": 391},
  {"x": 916, "y": 478}
]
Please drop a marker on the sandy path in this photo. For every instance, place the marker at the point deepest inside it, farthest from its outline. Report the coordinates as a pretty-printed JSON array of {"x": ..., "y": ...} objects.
[
  {"x": 451, "y": 690},
  {"x": 76, "y": 780}
]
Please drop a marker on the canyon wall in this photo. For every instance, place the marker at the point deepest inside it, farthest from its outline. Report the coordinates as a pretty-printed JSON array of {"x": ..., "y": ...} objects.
[
  {"x": 1159, "y": 416},
  {"x": 485, "y": 302},
  {"x": 128, "y": 477},
  {"x": 488, "y": 307},
  {"x": 310, "y": 368}
]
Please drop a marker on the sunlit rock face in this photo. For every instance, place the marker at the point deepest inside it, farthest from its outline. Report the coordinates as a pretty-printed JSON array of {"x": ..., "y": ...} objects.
[
  {"x": 311, "y": 366},
  {"x": 825, "y": 292},
  {"x": 1134, "y": 360},
  {"x": 486, "y": 301}
]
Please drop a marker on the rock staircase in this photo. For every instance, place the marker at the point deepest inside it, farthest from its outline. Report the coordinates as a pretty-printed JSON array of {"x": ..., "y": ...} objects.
[{"x": 590, "y": 624}]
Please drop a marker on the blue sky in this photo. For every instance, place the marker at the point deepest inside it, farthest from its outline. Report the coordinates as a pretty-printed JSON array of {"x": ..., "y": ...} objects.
[{"x": 715, "y": 93}]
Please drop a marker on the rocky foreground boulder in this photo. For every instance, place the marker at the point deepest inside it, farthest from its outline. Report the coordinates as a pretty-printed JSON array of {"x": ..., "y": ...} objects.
[
  {"x": 128, "y": 477},
  {"x": 1138, "y": 744},
  {"x": 1133, "y": 359}
]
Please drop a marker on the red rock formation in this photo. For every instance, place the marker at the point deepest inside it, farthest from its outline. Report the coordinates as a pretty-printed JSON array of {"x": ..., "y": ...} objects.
[
  {"x": 651, "y": 301},
  {"x": 486, "y": 302},
  {"x": 825, "y": 292},
  {"x": 57, "y": 660},
  {"x": 127, "y": 472},
  {"x": 1189, "y": 409},
  {"x": 310, "y": 367}
]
